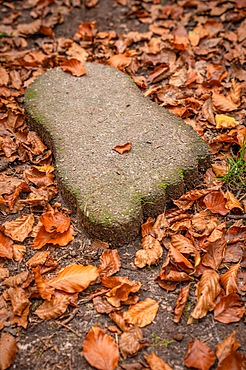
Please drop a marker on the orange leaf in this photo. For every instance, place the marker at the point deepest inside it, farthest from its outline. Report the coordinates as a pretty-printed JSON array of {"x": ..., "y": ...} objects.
[
  {"x": 229, "y": 279},
  {"x": 186, "y": 200},
  {"x": 130, "y": 342},
  {"x": 207, "y": 290},
  {"x": 180, "y": 40},
  {"x": 121, "y": 149},
  {"x": 8, "y": 350},
  {"x": 235, "y": 361},
  {"x": 74, "y": 66},
  {"x": 19, "y": 300},
  {"x": 179, "y": 259},
  {"x": 4, "y": 273},
  {"x": 222, "y": 103},
  {"x": 215, "y": 253},
  {"x": 156, "y": 363},
  {"x": 199, "y": 355},
  {"x": 150, "y": 254},
  {"x": 19, "y": 228},
  {"x": 181, "y": 302},
  {"x": 216, "y": 202},
  {"x": 229, "y": 309},
  {"x": 100, "y": 350},
  {"x": 6, "y": 246},
  {"x": 38, "y": 259},
  {"x": 16, "y": 279},
  {"x": 143, "y": 313},
  {"x": 109, "y": 262},
  {"x": 75, "y": 278},
  {"x": 232, "y": 201},
  {"x": 43, "y": 237},
  {"x": 227, "y": 346},
  {"x": 119, "y": 61},
  {"x": 55, "y": 221},
  {"x": 45, "y": 290},
  {"x": 53, "y": 308},
  {"x": 223, "y": 121}
]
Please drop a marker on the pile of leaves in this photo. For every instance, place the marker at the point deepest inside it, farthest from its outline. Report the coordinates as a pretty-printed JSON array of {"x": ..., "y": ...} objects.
[{"x": 189, "y": 59}]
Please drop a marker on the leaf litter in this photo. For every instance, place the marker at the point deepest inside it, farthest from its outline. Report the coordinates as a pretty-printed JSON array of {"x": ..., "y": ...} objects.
[{"x": 187, "y": 57}]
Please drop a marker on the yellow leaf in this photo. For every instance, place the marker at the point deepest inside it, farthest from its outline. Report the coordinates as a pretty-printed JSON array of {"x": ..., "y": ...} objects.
[{"x": 223, "y": 121}]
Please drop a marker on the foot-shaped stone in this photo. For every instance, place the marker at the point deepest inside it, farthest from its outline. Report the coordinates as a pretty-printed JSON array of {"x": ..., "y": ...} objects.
[{"x": 83, "y": 119}]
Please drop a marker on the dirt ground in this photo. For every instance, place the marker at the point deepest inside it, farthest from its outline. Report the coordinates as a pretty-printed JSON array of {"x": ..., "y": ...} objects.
[{"x": 57, "y": 344}]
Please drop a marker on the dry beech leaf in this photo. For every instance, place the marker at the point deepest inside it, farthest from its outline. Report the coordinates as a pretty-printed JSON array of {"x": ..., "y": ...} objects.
[
  {"x": 121, "y": 149},
  {"x": 8, "y": 350},
  {"x": 38, "y": 259},
  {"x": 223, "y": 121},
  {"x": 222, "y": 103},
  {"x": 6, "y": 246},
  {"x": 19, "y": 228},
  {"x": 156, "y": 363},
  {"x": 180, "y": 303},
  {"x": 45, "y": 290},
  {"x": 229, "y": 309},
  {"x": 227, "y": 346},
  {"x": 100, "y": 350},
  {"x": 143, "y": 313},
  {"x": 130, "y": 342},
  {"x": 75, "y": 278},
  {"x": 74, "y": 66},
  {"x": 4, "y": 273},
  {"x": 215, "y": 253},
  {"x": 118, "y": 318},
  {"x": 19, "y": 300},
  {"x": 232, "y": 202},
  {"x": 186, "y": 200},
  {"x": 119, "y": 61},
  {"x": 28, "y": 28},
  {"x": 55, "y": 221},
  {"x": 53, "y": 308},
  {"x": 18, "y": 252},
  {"x": 199, "y": 355},
  {"x": 91, "y": 3},
  {"x": 235, "y": 361},
  {"x": 109, "y": 262},
  {"x": 43, "y": 237},
  {"x": 229, "y": 279},
  {"x": 207, "y": 290},
  {"x": 16, "y": 279},
  {"x": 216, "y": 203},
  {"x": 179, "y": 259},
  {"x": 147, "y": 227},
  {"x": 102, "y": 306},
  {"x": 150, "y": 254}
]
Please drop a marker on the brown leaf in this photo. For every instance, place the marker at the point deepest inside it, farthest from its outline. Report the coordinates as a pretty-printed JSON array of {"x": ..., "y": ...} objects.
[
  {"x": 8, "y": 350},
  {"x": 74, "y": 66},
  {"x": 16, "y": 279},
  {"x": 20, "y": 228},
  {"x": 227, "y": 346},
  {"x": 130, "y": 342},
  {"x": 39, "y": 178},
  {"x": 203, "y": 223},
  {"x": 186, "y": 200},
  {"x": 45, "y": 290},
  {"x": 183, "y": 244},
  {"x": 177, "y": 258},
  {"x": 121, "y": 149},
  {"x": 4, "y": 273},
  {"x": 147, "y": 227},
  {"x": 18, "y": 252},
  {"x": 143, "y": 313},
  {"x": 38, "y": 259},
  {"x": 156, "y": 363},
  {"x": 181, "y": 302},
  {"x": 75, "y": 278},
  {"x": 19, "y": 300},
  {"x": 120, "y": 289},
  {"x": 207, "y": 290},
  {"x": 199, "y": 355},
  {"x": 118, "y": 318},
  {"x": 229, "y": 309},
  {"x": 6, "y": 246},
  {"x": 109, "y": 262},
  {"x": 215, "y": 253},
  {"x": 119, "y": 61},
  {"x": 222, "y": 103},
  {"x": 53, "y": 308},
  {"x": 55, "y": 221},
  {"x": 24, "y": 29},
  {"x": 102, "y": 306},
  {"x": 150, "y": 254},
  {"x": 86, "y": 30},
  {"x": 235, "y": 361},
  {"x": 100, "y": 350},
  {"x": 229, "y": 279},
  {"x": 232, "y": 202},
  {"x": 43, "y": 237},
  {"x": 91, "y": 3},
  {"x": 216, "y": 203},
  {"x": 180, "y": 40}
]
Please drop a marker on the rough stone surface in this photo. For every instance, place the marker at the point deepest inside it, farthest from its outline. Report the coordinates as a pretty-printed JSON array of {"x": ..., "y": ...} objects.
[{"x": 83, "y": 119}]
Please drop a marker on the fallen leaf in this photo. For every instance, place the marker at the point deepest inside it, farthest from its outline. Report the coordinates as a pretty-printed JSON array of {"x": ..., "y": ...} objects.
[
  {"x": 216, "y": 203},
  {"x": 20, "y": 228},
  {"x": 74, "y": 66},
  {"x": 227, "y": 346},
  {"x": 150, "y": 254},
  {"x": 156, "y": 363},
  {"x": 121, "y": 149},
  {"x": 232, "y": 202},
  {"x": 143, "y": 313},
  {"x": 8, "y": 350},
  {"x": 19, "y": 300},
  {"x": 228, "y": 280},
  {"x": 109, "y": 262},
  {"x": 100, "y": 350},
  {"x": 18, "y": 252},
  {"x": 6, "y": 246},
  {"x": 215, "y": 253},
  {"x": 38, "y": 259},
  {"x": 229, "y": 309},
  {"x": 55, "y": 221},
  {"x": 222, "y": 103},
  {"x": 199, "y": 355},
  {"x": 75, "y": 278},
  {"x": 102, "y": 306},
  {"x": 223, "y": 121},
  {"x": 119, "y": 61},
  {"x": 130, "y": 342},
  {"x": 45, "y": 290},
  {"x": 235, "y": 361},
  {"x": 180, "y": 38},
  {"x": 16, "y": 279},
  {"x": 181, "y": 302},
  {"x": 178, "y": 259},
  {"x": 43, "y": 237},
  {"x": 4, "y": 273},
  {"x": 207, "y": 290},
  {"x": 53, "y": 308}
]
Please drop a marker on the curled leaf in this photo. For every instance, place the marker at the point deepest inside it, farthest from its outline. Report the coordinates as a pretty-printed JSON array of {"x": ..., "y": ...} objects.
[
  {"x": 74, "y": 66},
  {"x": 121, "y": 149}
]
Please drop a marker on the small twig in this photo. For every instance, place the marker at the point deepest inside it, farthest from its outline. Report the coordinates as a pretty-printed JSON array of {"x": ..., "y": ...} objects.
[
  {"x": 67, "y": 327},
  {"x": 237, "y": 217},
  {"x": 70, "y": 317}
]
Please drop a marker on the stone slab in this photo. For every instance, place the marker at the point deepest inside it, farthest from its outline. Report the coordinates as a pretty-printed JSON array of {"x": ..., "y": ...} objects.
[{"x": 83, "y": 118}]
